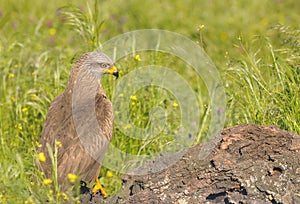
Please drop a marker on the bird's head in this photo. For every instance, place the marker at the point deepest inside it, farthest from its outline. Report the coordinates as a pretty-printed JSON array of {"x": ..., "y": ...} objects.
[{"x": 98, "y": 63}]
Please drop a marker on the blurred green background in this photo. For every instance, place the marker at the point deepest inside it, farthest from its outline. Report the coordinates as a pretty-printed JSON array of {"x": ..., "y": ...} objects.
[{"x": 254, "y": 45}]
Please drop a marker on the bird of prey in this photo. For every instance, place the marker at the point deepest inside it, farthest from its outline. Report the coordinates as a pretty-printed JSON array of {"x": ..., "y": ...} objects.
[{"x": 81, "y": 120}]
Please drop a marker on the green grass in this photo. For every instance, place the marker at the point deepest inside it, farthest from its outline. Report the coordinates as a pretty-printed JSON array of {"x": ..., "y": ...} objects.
[
  {"x": 270, "y": 74},
  {"x": 254, "y": 44}
]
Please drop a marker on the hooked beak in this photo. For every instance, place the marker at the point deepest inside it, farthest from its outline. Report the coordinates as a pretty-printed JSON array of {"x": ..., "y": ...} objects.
[{"x": 113, "y": 70}]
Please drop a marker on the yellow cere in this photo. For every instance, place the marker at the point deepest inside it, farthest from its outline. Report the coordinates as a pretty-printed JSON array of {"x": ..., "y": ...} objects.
[{"x": 111, "y": 70}]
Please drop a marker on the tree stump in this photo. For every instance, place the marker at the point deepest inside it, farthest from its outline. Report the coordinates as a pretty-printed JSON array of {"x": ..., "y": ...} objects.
[{"x": 248, "y": 164}]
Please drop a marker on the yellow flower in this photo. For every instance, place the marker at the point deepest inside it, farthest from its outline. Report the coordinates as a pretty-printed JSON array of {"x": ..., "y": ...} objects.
[
  {"x": 63, "y": 195},
  {"x": 133, "y": 103},
  {"x": 24, "y": 110},
  {"x": 47, "y": 181},
  {"x": 265, "y": 21},
  {"x": 19, "y": 126},
  {"x": 224, "y": 36},
  {"x": 109, "y": 174},
  {"x": 41, "y": 157},
  {"x": 175, "y": 105},
  {"x": 58, "y": 143},
  {"x": 52, "y": 31},
  {"x": 200, "y": 27},
  {"x": 13, "y": 99},
  {"x": 29, "y": 201},
  {"x": 38, "y": 144},
  {"x": 72, "y": 177},
  {"x": 137, "y": 58},
  {"x": 16, "y": 66},
  {"x": 3, "y": 199},
  {"x": 133, "y": 97},
  {"x": 10, "y": 76},
  {"x": 34, "y": 97},
  {"x": 128, "y": 126}
]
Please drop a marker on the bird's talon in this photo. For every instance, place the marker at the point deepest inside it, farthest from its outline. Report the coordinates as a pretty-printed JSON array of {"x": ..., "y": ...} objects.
[{"x": 98, "y": 187}]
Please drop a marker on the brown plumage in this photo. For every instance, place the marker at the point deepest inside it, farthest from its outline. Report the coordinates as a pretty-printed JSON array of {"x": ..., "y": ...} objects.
[{"x": 61, "y": 125}]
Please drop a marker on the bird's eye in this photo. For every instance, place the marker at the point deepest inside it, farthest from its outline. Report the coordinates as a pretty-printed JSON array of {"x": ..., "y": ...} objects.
[{"x": 104, "y": 65}]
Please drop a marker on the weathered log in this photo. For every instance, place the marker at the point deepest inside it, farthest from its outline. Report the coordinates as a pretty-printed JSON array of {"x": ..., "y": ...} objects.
[{"x": 249, "y": 164}]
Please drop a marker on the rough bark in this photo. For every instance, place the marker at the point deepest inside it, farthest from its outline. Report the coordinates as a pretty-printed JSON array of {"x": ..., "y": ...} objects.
[{"x": 249, "y": 164}]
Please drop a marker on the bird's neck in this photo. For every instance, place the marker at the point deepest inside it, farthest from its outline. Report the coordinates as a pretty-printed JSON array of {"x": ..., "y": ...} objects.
[{"x": 83, "y": 85}]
